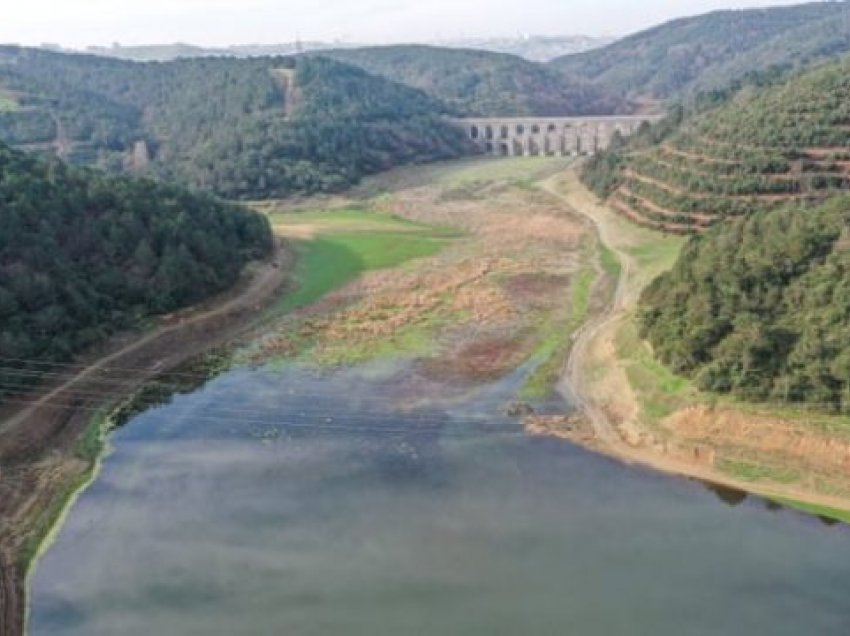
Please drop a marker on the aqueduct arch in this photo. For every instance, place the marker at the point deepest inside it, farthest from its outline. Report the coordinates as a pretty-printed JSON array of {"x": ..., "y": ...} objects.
[{"x": 562, "y": 136}]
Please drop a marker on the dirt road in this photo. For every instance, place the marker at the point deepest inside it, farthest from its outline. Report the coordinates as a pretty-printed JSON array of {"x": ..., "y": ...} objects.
[{"x": 572, "y": 382}]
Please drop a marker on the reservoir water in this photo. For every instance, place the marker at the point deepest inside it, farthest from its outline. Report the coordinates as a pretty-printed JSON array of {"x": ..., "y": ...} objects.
[{"x": 284, "y": 501}]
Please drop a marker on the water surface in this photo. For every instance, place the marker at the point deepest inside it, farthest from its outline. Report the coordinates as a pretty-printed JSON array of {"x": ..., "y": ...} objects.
[{"x": 286, "y": 502}]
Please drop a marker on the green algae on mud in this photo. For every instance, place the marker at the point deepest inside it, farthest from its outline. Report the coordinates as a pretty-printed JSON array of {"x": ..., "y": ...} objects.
[
  {"x": 90, "y": 448},
  {"x": 555, "y": 347},
  {"x": 824, "y": 512}
]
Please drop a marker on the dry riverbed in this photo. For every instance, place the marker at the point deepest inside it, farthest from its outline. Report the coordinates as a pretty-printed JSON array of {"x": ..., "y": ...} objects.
[{"x": 516, "y": 274}]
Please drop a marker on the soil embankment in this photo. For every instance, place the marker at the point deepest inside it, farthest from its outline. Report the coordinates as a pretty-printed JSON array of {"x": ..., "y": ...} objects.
[{"x": 41, "y": 461}]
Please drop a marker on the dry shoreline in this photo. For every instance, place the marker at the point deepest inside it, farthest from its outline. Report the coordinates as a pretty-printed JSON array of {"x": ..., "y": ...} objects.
[
  {"x": 40, "y": 469},
  {"x": 620, "y": 438}
]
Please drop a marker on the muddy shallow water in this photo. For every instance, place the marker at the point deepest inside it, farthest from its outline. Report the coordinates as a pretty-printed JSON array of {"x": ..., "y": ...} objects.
[{"x": 286, "y": 502}]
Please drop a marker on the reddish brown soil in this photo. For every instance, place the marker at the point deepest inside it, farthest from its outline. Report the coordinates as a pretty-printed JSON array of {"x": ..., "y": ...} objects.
[
  {"x": 535, "y": 290},
  {"x": 477, "y": 361}
]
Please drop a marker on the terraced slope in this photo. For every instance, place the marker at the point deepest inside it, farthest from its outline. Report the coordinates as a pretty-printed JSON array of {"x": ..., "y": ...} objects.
[{"x": 788, "y": 143}]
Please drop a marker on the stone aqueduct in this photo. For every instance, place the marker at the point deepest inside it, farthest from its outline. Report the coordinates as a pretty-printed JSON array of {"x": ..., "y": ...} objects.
[{"x": 564, "y": 136}]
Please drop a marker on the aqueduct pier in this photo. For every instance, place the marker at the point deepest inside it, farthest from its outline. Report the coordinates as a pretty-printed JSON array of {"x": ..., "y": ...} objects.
[{"x": 564, "y": 136}]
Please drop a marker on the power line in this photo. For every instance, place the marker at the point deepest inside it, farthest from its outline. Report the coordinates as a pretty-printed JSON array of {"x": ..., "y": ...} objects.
[
  {"x": 106, "y": 392},
  {"x": 164, "y": 375},
  {"x": 450, "y": 424}
]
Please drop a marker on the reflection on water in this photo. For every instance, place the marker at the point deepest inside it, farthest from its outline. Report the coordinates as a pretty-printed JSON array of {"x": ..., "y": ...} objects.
[
  {"x": 734, "y": 497},
  {"x": 288, "y": 502},
  {"x": 730, "y": 496}
]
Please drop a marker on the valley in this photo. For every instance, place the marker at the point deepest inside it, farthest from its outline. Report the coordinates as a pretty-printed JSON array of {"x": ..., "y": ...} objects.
[
  {"x": 428, "y": 366},
  {"x": 424, "y": 340}
]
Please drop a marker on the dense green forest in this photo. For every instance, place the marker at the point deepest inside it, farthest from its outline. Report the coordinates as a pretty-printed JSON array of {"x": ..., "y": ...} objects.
[
  {"x": 233, "y": 126},
  {"x": 772, "y": 140},
  {"x": 760, "y": 307},
  {"x": 473, "y": 82},
  {"x": 83, "y": 253},
  {"x": 708, "y": 51}
]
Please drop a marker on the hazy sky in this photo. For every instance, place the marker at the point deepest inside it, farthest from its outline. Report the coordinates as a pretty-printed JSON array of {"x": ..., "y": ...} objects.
[{"x": 218, "y": 22}]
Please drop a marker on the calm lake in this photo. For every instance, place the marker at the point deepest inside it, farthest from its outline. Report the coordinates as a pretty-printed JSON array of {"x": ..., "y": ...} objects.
[{"x": 284, "y": 501}]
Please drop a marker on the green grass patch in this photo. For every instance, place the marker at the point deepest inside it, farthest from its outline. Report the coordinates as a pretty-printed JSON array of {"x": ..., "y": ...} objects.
[
  {"x": 351, "y": 241},
  {"x": 752, "y": 473},
  {"x": 357, "y": 220},
  {"x": 557, "y": 339},
  {"x": 331, "y": 261},
  {"x": 660, "y": 391},
  {"x": 825, "y": 512},
  {"x": 90, "y": 444},
  {"x": 653, "y": 256},
  {"x": 610, "y": 263},
  {"x": 510, "y": 169}
]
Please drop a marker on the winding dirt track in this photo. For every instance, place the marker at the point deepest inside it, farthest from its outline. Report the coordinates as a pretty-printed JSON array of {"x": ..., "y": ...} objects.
[
  {"x": 37, "y": 441},
  {"x": 572, "y": 381}
]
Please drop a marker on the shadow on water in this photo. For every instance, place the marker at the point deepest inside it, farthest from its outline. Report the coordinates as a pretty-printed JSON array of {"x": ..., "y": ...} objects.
[
  {"x": 184, "y": 379},
  {"x": 734, "y": 497}
]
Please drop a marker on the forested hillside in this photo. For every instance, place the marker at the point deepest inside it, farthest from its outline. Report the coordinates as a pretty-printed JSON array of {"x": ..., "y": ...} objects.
[
  {"x": 83, "y": 254},
  {"x": 789, "y": 142},
  {"x": 760, "y": 307},
  {"x": 234, "y": 126},
  {"x": 709, "y": 51},
  {"x": 758, "y": 304},
  {"x": 475, "y": 82}
]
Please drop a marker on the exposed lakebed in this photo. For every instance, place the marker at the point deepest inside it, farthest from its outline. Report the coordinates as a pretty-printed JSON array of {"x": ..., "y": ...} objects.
[{"x": 357, "y": 501}]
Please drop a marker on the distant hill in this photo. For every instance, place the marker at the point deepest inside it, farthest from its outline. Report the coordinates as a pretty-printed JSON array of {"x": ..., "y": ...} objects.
[
  {"x": 254, "y": 128},
  {"x": 475, "y": 82},
  {"x": 535, "y": 48},
  {"x": 83, "y": 254},
  {"x": 708, "y": 51},
  {"x": 169, "y": 52},
  {"x": 789, "y": 142}
]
